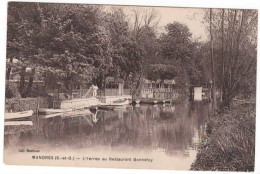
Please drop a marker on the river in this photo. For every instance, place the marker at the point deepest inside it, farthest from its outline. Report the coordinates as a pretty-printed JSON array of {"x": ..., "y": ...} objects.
[{"x": 161, "y": 136}]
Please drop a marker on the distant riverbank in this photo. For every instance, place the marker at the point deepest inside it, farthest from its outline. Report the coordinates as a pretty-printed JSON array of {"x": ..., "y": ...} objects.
[{"x": 230, "y": 144}]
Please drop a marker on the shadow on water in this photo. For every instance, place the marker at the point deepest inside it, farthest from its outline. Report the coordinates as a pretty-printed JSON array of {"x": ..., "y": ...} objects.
[{"x": 174, "y": 129}]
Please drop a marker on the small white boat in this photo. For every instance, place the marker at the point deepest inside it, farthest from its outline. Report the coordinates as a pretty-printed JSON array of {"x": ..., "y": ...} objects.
[
  {"x": 119, "y": 102},
  {"x": 53, "y": 115},
  {"x": 14, "y": 115},
  {"x": 73, "y": 113},
  {"x": 18, "y": 123}
]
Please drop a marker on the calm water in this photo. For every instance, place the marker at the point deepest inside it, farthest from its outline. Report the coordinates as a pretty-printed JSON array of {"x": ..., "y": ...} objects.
[{"x": 169, "y": 132}]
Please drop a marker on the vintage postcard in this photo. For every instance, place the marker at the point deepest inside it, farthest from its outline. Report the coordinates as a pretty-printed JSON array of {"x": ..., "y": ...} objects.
[{"x": 130, "y": 87}]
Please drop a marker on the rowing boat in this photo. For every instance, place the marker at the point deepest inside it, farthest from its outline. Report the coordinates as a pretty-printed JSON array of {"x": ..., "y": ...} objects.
[
  {"x": 22, "y": 114},
  {"x": 119, "y": 102},
  {"x": 106, "y": 107},
  {"x": 53, "y": 115},
  {"x": 47, "y": 111},
  {"x": 18, "y": 123},
  {"x": 148, "y": 101}
]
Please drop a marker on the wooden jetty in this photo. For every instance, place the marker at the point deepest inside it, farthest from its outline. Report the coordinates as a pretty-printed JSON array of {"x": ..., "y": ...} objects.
[{"x": 89, "y": 102}]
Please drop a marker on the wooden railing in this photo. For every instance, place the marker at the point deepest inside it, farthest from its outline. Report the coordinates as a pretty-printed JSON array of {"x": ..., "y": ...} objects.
[
  {"x": 159, "y": 93},
  {"x": 85, "y": 93}
]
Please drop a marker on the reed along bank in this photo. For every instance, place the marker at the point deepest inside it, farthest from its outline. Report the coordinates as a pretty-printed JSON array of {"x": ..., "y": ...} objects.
[{"x": 230, "y": 141}]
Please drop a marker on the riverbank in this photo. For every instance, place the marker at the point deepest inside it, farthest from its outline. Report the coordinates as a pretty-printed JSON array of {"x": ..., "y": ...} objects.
[{"x": 230, "y": 144}]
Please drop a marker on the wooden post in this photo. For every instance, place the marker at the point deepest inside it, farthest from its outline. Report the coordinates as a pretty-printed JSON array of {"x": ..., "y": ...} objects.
[{"x": 120, "y": 88}]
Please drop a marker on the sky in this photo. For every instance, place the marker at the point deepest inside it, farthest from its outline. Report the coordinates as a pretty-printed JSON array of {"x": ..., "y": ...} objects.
[{"x": 192, "y": 17}]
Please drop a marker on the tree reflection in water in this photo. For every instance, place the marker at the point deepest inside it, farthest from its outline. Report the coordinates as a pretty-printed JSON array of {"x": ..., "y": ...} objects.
[{"x": 174, "y": 129}]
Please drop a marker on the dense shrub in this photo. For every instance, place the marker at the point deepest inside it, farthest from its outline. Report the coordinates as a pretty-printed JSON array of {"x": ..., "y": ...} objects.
[
  {"x": 11, "y": 91},
  {"x": 230, "y": 145},
  {"x": 23, "y": 104},
  {"x": 34, "y": 93}
]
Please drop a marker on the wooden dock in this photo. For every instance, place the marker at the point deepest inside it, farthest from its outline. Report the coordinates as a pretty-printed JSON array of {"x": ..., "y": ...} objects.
[{"x": 89, "y": 102}]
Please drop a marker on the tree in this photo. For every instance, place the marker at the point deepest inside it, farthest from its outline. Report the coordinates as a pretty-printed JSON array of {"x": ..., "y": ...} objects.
[
  {"x": 213, "y": 91},
  {"x": 66, "y": 43},
  {"x": 177, "y": 50},
  {"x": 24, "y": 24},
  {"x": 143, "y": 19},
  {"x": 235, "y": 51},
  {"x": 144, "y": 29},
  {"x": 128, "y": 54},
  {"x": 161, "y": 72}
]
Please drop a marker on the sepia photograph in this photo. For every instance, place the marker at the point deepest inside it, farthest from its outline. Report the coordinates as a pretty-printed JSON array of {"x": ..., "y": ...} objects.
[{"x": 133, "y": 87}]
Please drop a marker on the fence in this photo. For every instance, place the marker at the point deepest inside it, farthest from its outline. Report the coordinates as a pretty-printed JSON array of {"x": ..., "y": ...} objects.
[
  {"x": 159, "y": 93},
  {"x": 85, "y": 93}
]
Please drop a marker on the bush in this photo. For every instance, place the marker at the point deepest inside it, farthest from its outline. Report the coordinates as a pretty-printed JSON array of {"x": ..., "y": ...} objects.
[
  {"x": 24, "y": 104},
  {"x": 11, "y": 91},
  {"x": 231, "y": 143},
  {"x": 34, "y": 93}
]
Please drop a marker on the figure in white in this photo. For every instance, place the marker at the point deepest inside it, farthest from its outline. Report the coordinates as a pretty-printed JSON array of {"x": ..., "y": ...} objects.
[
  {"x": 94, "y": 118},
  {"x": 94, "y": 89}
]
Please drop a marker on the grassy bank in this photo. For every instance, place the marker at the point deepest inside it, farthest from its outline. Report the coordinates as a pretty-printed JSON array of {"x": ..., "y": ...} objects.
[{"x": 230, "y": 144}]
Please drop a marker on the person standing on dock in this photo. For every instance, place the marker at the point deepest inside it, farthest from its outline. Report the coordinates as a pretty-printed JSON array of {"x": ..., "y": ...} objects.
[{"x": 94, "y": 89}]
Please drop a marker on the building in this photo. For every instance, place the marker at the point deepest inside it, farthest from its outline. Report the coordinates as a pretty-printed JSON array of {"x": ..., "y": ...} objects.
[{"x": 158, "y": 88}]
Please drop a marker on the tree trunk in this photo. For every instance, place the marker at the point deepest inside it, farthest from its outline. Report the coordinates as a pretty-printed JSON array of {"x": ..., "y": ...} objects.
[
  {"x": 231, "y": 49},
  {"x": 30, "y": 84},
  {"x": 22, "y": 80},
  {"x": 212, "y": 64},
  {"x": 222, "y": 55},
  {"x": 8, "y": 73}
]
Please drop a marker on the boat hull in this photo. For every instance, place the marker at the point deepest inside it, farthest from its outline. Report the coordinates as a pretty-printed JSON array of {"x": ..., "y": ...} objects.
[
  {"x": 45, "y": 111},
  {"x": 17, "y": 115}
]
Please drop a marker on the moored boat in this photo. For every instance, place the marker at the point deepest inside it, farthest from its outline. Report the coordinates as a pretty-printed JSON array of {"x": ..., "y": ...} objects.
[
  {"x": 106, "y": 107},
  {"x": 167, "y": 100},
  {"x": 119, "y": 102},
  {"x": 46, "y": 111},
  {"x": 148, "y": 101},
  {"x": 18, "y": 123},
  {"x": 53, "y": 115},
  {"x": 154, "y": 101},
  {"x": 16, "y": 115}
]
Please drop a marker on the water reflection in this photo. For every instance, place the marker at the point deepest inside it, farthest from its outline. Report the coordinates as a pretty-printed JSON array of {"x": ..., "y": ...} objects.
[{"x": 175, "y": 130}]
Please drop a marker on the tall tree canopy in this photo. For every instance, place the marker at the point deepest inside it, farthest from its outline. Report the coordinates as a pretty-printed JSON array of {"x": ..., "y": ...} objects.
[{"x": 178, "y": 50}]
